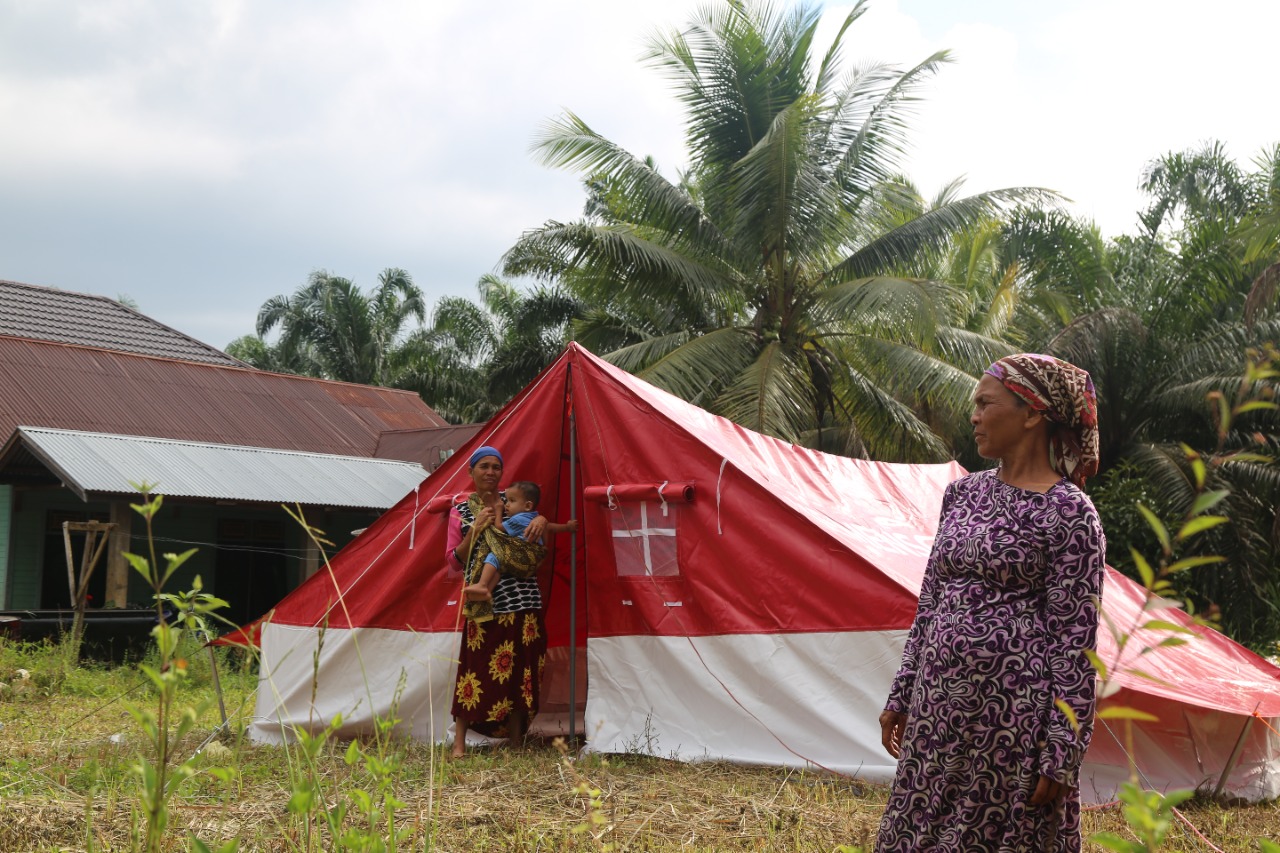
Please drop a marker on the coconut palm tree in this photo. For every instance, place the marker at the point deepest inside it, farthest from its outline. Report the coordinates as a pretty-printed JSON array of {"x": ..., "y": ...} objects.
[
  {"x": 764, "y": 284},
  {"x": 350, "y": 335}
]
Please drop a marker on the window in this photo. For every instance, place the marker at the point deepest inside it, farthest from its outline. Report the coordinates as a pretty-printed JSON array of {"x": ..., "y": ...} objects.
[{"x": 644, "y": 538}]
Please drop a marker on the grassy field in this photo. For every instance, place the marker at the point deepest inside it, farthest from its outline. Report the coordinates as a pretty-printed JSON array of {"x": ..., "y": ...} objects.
[{"x": 68, "y": 746}]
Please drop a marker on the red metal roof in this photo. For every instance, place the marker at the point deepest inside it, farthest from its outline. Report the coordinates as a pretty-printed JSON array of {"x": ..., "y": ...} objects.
[{"x": 57, "y": 385}]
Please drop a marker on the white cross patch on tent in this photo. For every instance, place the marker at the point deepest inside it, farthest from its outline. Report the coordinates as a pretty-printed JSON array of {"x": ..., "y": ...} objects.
[{"x": 653, "y": 533}]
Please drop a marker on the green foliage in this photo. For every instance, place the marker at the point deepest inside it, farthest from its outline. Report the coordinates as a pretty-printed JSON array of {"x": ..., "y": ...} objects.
[
  {"x": 1194, "y": 290},
  {"x": 777, "y": 281},
  {"x": 366, "y": 820},
  {"x": 299, "y": 358},
  {"x": 477, "y": 355},
  {"x": 166, "y": 723},
  {"x": 330, "y": 328},
  {"x": 1150, "y": 815}
]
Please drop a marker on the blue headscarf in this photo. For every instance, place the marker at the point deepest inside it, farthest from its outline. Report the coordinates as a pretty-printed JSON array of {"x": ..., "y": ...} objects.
[{"x": 482, "y": 452}]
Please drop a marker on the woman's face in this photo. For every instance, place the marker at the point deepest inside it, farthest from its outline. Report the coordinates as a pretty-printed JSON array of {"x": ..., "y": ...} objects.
[
  {"x": 999, "y": 418},
  {"x": 486, "y": 473}
]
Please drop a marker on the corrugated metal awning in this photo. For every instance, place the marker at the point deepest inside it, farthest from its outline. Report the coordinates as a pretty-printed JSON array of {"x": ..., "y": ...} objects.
[{"x": 91, "y": 463}]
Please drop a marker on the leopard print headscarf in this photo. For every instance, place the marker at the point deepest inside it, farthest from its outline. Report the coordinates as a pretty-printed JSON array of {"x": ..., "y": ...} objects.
[{"x": 1064, "y": 393}]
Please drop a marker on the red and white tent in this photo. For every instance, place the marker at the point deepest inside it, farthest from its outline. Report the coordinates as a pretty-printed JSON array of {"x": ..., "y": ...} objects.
[{"x": 730, "y": 596}]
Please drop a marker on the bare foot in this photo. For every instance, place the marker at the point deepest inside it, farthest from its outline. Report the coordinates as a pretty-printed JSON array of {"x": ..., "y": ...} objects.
[
  {"x": 459, "y": 749},
  {"x": 476, "y": 592}
]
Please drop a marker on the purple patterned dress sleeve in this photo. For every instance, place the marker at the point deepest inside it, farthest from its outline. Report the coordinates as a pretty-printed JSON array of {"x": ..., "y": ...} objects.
[
  {"x": 1073, "y": 587},
  {"x": 900, "y": 692}
]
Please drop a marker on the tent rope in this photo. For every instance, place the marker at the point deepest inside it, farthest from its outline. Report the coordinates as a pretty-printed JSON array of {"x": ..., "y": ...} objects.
[
  {"x": 1133, "y": 762},
  {"x": 1199, "y": 834}
]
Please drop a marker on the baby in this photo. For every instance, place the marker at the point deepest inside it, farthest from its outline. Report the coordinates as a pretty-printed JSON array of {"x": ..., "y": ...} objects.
[{"x": 521, "y": 499}]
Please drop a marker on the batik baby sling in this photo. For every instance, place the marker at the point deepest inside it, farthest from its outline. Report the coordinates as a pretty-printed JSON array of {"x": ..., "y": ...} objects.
[{"x": 517, "y": 558}]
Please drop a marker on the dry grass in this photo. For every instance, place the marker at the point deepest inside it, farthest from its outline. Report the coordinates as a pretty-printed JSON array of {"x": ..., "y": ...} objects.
[{"x": 65, "y": 748}]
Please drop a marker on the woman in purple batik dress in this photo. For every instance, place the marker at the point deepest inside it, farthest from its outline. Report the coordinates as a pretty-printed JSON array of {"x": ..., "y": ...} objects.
[{"x": 987, "y": 761}]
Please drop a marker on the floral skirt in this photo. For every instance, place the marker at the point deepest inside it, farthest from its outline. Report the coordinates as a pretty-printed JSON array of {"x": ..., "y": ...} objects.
[{"x": 500, "y": 670}]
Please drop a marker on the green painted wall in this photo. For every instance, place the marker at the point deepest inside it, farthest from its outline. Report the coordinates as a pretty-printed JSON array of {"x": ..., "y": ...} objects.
[
  {"x": 27, "y": 540},
  {"x": 6, "y": 509}
]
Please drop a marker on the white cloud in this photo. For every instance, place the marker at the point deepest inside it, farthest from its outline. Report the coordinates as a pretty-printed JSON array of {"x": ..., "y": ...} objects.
[{"x": 173, "y": 150}]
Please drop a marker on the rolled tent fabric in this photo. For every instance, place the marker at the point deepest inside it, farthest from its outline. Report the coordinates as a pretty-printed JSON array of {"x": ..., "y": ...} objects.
[
  {"x": 633, "y": 492},
  {"x": 443, "y": 503},
  {"x": 629, "y": 492}
]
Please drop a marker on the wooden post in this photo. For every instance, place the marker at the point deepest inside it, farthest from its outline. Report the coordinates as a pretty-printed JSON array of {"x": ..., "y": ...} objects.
[
  {"x": 117, "y": 594},
  {"x": 93, "y": 547},
  {"x": 314, "y": 517},
  {"x": 217, "y": 683}
]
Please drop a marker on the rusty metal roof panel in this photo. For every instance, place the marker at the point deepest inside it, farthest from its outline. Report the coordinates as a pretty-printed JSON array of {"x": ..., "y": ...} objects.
[
  {"x": 430, "y": 446},
  {"x": 59, "y": 386},
  {"x": 100, "y": 464},
  {"x": 48, "y": 314}
]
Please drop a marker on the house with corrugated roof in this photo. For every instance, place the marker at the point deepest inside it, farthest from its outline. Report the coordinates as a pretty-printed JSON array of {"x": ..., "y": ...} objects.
[{"x": 96, "y": 397}]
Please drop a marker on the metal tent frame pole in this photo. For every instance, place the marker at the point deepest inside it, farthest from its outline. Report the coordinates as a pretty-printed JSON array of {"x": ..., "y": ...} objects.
[
  {"x": 573, "y": 568},
  {"x": 1235, "y": 754}
]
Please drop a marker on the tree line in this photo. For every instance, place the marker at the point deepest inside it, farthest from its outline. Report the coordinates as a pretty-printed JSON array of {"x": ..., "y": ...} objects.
[{"x": 793, "y": 279}]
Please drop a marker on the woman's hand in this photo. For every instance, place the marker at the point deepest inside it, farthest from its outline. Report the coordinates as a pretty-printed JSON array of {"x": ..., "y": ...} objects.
[
  {"x": 892, "y": 724},
  {"x": 1047, "y": 791},
  {"x": 537, "y": 526},
  {"x": 484, "y": 518}
]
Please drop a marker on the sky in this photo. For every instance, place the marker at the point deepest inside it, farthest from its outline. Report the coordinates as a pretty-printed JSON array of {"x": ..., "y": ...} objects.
[{"x": 201, "y": 157}]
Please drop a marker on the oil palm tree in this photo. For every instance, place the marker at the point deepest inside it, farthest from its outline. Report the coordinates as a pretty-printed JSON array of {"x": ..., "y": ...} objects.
[
  {"x": 475, "y": 355},
  {"x": 1195, "y": 295},
  {"x": 257, "y": 352},
  {"x": 350, "y": 336},
  {"x": 1019, "y": 278},
  {"x": 761, "y": 283}
]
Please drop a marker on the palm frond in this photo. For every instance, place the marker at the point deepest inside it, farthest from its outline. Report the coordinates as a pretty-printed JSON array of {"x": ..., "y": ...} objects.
[
  {"x": 696, "y": 369},
  {"x": 831, "y": 61},
  {"x": 931, "y": 230},
  {"x": 871, "y": 153},
  {"x": 772, "y": 395},
  {"x": 622, "y": 254},
  {"x": 650, "y": 198},
  {"x": 911, "y": 309},
  {"x": 888, "y": 429}
]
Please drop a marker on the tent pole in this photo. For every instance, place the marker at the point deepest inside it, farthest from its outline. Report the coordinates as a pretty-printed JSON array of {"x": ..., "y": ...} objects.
[
  {"x": 573, "y": 572},
  {"x": 1235, "y": 756}
]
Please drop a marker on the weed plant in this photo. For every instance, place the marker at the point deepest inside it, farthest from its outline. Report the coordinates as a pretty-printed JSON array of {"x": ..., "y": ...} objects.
[
  {"x": 1150, "y": 815},
  {"x": 64, "y": 781}
]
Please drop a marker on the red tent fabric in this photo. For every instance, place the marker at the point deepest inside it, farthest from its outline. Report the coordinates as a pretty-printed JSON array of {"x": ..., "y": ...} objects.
[{"x": 734, "y": 596}]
